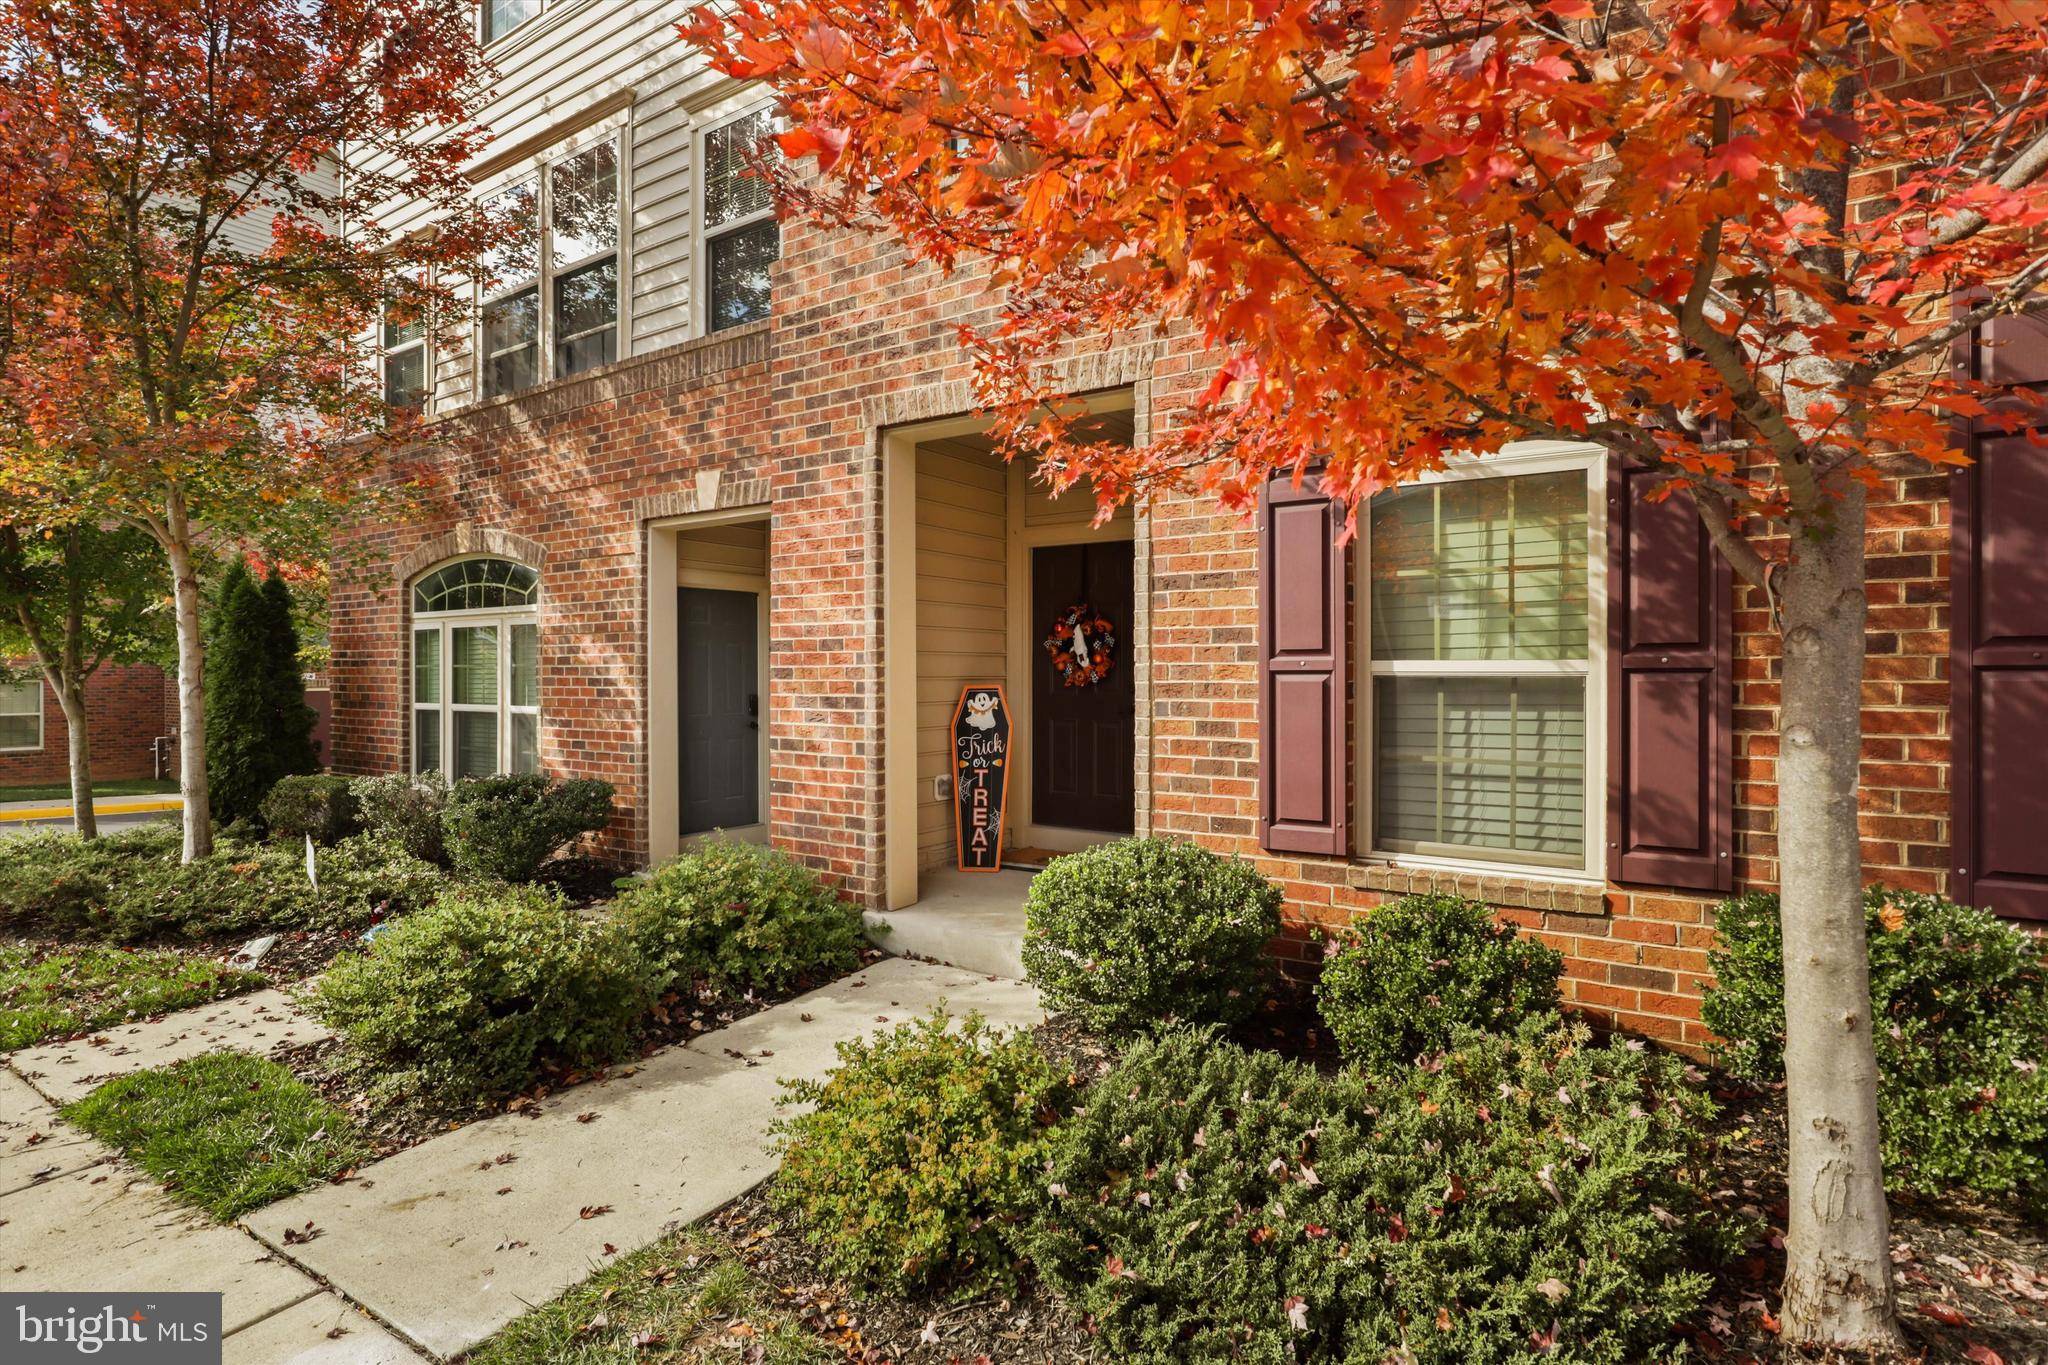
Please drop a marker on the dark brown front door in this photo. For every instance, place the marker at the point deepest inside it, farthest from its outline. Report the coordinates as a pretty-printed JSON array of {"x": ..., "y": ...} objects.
[{"x": 1081, "y": 737}]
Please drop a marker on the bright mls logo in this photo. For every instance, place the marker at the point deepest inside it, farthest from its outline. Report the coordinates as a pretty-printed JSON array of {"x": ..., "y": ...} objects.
[{"x": 162, "y": 1329}]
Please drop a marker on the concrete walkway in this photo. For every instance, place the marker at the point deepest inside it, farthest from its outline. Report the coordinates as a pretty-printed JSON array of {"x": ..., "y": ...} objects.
[
  {"x": 450, "y": 1240},
  {"x": 256, "y": 1022}
]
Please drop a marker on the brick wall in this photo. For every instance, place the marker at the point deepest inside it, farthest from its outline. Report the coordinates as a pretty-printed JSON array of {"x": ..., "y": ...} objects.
[
  {"x": 128, "y": 705},
  {"x": 1636, "y": 957},
  {"x": 791, "y": 411}
]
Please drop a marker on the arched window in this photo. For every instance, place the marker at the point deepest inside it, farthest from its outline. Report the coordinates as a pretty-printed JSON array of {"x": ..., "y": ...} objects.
[{"x": 476, "y": 669}]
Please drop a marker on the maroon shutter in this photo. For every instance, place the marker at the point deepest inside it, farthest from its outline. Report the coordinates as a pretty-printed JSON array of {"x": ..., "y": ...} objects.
[
  {"x": 1302, "y": 670},
  {"x": 1998, "y": 661},
  {"x": 1670, "y": 669}
]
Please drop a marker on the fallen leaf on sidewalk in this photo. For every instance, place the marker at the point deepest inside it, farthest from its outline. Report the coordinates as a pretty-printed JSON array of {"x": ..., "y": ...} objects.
[{"x": 594, "y": 1210}]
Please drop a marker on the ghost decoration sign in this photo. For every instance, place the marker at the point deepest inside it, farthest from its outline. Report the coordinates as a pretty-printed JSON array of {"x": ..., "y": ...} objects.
[{"x": 981, "y": 775}]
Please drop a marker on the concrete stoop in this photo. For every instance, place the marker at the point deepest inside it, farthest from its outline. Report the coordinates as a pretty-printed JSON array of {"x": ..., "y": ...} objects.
[{"x": 973, "y": 920}]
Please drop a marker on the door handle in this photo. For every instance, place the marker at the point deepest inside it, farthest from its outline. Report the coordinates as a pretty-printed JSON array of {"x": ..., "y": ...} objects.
[{"x": 754, "y": 710}]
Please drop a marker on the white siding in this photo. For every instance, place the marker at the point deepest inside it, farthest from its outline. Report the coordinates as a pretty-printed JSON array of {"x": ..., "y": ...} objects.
[{"x": 579, "y": 57}]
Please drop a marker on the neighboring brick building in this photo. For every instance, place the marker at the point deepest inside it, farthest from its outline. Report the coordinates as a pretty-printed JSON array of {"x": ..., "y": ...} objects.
[
  {"x": 133, "y": 709},
  {"x": 744, "y": 571}
]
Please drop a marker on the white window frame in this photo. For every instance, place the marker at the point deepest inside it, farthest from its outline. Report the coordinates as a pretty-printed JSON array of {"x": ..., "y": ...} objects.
[
  {"x": 539, "y": 170},
  {"x": 444, "y": 624},
  {"x": 485, "y": 38},
  {"x": 42, "y": 723},
  {"x": 1529, "y": 457},
  {"x": 730, "y": 111},
  {"x": 423, "y": 343}
]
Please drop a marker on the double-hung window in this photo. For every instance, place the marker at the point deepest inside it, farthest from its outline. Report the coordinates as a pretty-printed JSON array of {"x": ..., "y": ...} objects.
[
  {"x": 1482, "y": 696},
  {"x": 21, "y": 715},
  {"x": 501, "y": 17},
  {"x": 551, "y": 283},
  {"x": 404, "y": 337},
  {"x": 476, "y": 669},
  {"x": 741, "y": 239}
]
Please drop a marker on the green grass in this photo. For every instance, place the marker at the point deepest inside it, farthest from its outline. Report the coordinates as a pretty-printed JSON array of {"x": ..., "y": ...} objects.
[
  {"x": 225, "y": 1131},
  {"x": 61, "y": 791},
  {"x": 686, "y": 1300},
  {"x": 47, "y": 994}
]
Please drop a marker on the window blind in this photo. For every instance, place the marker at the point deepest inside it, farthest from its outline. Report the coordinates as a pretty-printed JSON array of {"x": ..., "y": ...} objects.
[{"x": 1468, "y": 756}]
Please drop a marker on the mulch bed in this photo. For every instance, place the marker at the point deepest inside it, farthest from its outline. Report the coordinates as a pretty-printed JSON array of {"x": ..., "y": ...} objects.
[
  {"x": 1030, "y": 1328},
  {"x": 1973, "y": 1280},
  {"x": 392, "y": 1123}
]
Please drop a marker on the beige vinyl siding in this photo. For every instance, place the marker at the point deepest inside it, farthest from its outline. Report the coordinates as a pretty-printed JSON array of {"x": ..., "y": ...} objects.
[
  {"x": 581, "y": 56},
  {"x": 663, "y": 201},
  {"x": 1071, "y": 510},
  {"x": 961, "y": 617},
  {"x": 739, "y": 549}
]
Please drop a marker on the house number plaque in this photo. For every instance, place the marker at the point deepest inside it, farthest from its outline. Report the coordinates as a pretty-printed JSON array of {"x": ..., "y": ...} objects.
[{"x": 981, "y": 775}]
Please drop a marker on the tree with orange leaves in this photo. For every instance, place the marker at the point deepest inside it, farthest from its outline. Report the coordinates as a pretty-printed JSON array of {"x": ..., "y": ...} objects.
[
  {"x": 179, "y": 351},
  {"x": 1414, "y": 228}
]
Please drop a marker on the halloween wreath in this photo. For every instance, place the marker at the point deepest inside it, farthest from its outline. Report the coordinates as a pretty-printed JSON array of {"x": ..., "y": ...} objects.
[{"x": 1082, "y": 645}]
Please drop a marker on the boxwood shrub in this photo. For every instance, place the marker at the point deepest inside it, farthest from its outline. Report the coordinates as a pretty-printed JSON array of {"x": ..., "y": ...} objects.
[
  {"x": 918, "y": 1159},
  {"x": 738, "y": 916},
  {"x": 1409, "y": 973},
  {"x": 506, "y": 827},
  {"x": 406, "y": 809},
  {"x": 1525, "y": 1196},
  {"x": 1142, "y": 933},
  {"x": 1959, "y": 1001},
  {"x": 321, "y": 806},
  {"x": 473, "y": 995}
]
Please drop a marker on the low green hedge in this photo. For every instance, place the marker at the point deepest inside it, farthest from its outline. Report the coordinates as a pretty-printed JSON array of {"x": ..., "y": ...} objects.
[
  {"x": 131, "y": 887},
  {"x": 405, "y": 809},
  {"x": 918, "y": 1158},
  {"x": 506, "y": 827},
  {"x": 1143, "y": 933},
  {"x": 475, "y": 994},
  {"x": 1524, "y": 1196},
  {"x": 1959, "y": 1004},
  {"x": 319, "y": 806},
  {"x": 1410, "y": 973},
  {"x": 739, "y": 917}
]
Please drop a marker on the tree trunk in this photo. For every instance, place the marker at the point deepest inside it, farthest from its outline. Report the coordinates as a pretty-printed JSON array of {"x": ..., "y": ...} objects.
[
  {"x": 71, "y": 697},
  {"x": 177, "y": 546},
  {"x": 1838, "y": 1284}
]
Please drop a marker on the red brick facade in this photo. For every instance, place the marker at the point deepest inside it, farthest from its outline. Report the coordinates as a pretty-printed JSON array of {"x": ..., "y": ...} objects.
[
  {"x": 129, "y": 707},
  {"x": 789, "y": 412}
]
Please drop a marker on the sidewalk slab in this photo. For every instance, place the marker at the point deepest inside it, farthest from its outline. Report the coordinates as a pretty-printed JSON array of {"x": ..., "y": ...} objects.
[
  {"x": 448, "y": 1244},
  {"x": 107, "y": 1229},
  {"x": 36, "y": 1145},
  {"x": 256, "y": 1022},
  {"x": 324, "y": 1330}
]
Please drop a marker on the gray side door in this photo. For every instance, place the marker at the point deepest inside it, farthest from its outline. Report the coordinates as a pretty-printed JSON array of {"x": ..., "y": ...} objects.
[{"x": 719, "y": 685}]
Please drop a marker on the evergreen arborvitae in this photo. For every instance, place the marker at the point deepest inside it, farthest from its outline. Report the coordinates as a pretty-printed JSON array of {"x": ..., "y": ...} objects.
[
  {"x": 258, "y": 726},
  {"x": 294, "y": 720}
]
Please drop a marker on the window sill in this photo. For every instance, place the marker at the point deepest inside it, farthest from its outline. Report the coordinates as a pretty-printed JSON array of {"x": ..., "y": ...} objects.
[{"x": 1496, "y": 888}]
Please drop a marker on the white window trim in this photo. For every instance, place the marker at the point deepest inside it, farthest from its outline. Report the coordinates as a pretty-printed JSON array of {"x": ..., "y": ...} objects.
[
  {"x": 616, "y": 128},
  {"x": 444, "y": 623},
  {"x": 709, "y": 120},
  {"x": 1530, "y": 457},
  {"x": 424, "y": 344},
  {"x": 495, "y": 43},
  {"x": 42, "y": 722}
]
